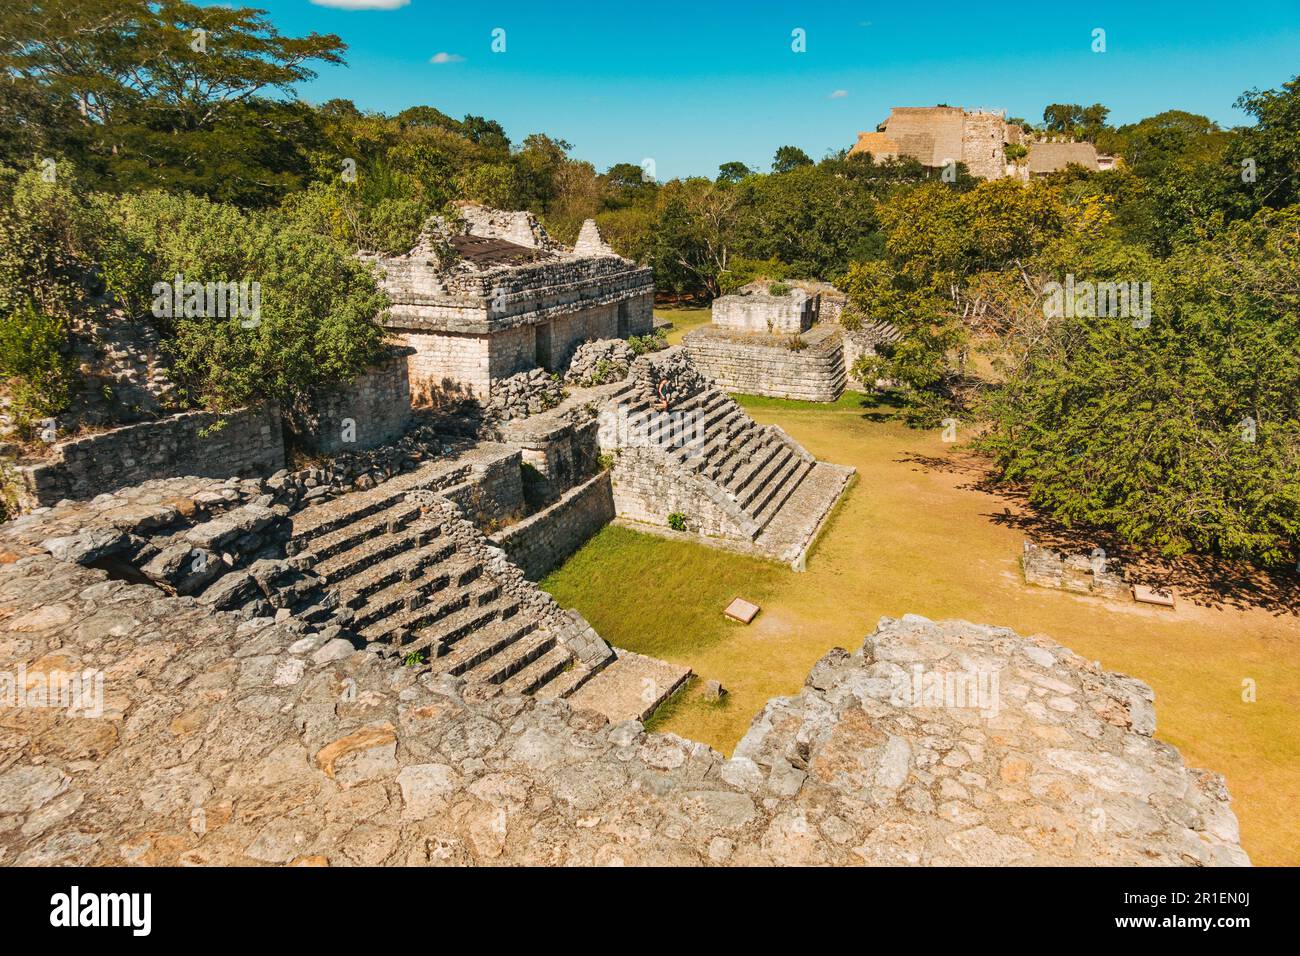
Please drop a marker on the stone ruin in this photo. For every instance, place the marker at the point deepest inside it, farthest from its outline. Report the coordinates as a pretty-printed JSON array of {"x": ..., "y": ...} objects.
[
  {"x": 599, "y": 362},
  {"x": 1092, "y": 573},
  {"x": 489, "y": 295},
  {"x": 350, "y": 662},
  {"x": 795, "y": 345},
  {"x": 335, "y": 666}
]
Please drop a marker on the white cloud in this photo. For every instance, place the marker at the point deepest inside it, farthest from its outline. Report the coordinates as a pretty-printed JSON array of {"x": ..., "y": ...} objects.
[
  {"x": 362, "y": 4},
  {"x": 838, "y": 95},
  {"x": 446, "y": 58}
]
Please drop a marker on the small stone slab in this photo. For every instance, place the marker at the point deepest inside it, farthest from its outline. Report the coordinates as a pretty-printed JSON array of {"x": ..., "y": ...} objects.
[
  {"x": 741, "y": 610},
  {"x": 1149, "y": 595}
]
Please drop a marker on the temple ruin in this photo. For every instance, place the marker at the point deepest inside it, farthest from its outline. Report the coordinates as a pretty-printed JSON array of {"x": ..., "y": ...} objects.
[
  {"x": 939, "y": 136},
  {"x": 794, "y": 344},
  {"x": 488, "y": 294}
]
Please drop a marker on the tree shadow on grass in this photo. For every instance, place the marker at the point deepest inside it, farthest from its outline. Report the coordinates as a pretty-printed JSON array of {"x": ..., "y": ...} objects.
[{"x": 1203, "y": 579}]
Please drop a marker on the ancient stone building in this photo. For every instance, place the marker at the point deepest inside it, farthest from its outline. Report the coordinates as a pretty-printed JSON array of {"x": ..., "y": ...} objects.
[
  {"x": 792, "y": 345},
  {"x": 490, "y": 294},
  {"x": 1048, "y": 157},
  {"x": 938, "y": 135}
]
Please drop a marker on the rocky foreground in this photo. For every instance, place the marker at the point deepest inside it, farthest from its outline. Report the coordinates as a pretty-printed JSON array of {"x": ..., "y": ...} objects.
[{"x": 223, "y": 741}]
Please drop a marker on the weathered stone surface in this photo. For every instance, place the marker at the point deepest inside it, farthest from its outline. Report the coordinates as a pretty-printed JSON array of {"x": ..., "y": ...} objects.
[{"x": 228, "y": 740}]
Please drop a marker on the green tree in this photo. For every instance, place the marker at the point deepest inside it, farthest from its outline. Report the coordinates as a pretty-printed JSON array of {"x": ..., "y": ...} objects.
[
  {"x": 1180, "y": 435},
  {"x": 166, "y": 92},
  {"x": 1272, "y": 145},
  {"x": 733, "y": 172},
  {"x": 788, "y": 158}
]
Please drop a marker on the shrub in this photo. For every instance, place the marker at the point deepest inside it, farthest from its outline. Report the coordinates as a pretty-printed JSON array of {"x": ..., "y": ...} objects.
[
  {"x": 778, "y": 288},
  {"x": 795, "y": 343},
  {"x": 35, "y": 361},
  {"x": 316, "y": 328},
  {"x": 651, "y": 342},
  {"x": 677, "y": 521}
]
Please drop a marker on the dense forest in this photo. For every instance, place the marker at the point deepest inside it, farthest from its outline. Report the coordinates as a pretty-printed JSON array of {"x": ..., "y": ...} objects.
[{"x": 144, "y": 138}]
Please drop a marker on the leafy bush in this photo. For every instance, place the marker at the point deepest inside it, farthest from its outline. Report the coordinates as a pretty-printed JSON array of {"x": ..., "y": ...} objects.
[
  {"x": 35, "y": 361},
  {"x": 316, "y": 327},
  {"x": 1181, "y": 434},
  {"x": 677, "y": 521},
  {"x": 651, "y": 342}
]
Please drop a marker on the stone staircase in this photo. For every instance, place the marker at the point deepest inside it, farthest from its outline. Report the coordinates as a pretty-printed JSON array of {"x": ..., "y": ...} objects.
[
  {"x": 756, "y": 475},
  {"x": 393, "y": 573}
]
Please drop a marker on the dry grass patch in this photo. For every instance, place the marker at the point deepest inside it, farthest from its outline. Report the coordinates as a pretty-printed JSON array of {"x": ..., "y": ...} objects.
[{"x": 916, "y": 534}]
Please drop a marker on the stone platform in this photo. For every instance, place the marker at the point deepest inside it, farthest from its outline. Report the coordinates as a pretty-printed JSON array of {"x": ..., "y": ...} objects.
[{"x": 631, "y": 688}]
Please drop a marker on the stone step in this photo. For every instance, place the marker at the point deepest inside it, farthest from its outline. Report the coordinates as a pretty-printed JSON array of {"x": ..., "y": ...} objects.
[
  {"x": 747, "y": 480},
  {"x": 336, "y": 513},
  {"x": 757, "y": 485},
  {"x": 447, "y": 631},
  {"x": 566, "y": 682},
  {"x": 389, "y": 520},
  {"x": 403, "y": 565},
  {"x": 533, "y": 675},
  {"x": 483, "y": 643},
  {"x": 437, "y": 602},
  {"x": 511, "y": 659},
  {"x": 781, "y": 487},
  {"x": 790, "y": 530},
  {"x": 349, "y": 563},
  {"x": 740, "y": 455},
  {"x": 411, "y": 604}
]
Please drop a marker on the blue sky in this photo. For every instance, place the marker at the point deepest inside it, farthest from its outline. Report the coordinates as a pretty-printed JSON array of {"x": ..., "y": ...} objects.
[{"x": 691, "y": 85}]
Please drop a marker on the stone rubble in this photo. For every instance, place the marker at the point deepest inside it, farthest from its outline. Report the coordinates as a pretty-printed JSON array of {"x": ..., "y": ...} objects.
[
  {"x": 524, "y": 394},
  {"x": 600, "y": 362}
]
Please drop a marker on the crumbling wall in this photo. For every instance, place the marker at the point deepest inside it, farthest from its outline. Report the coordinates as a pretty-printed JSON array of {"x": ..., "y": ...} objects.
[
  {"x": 246, "y": 442},
  {"x": 756, "y": 312},
  {"x": 1082, "y": 573},
  {"x": 372, "y": 410}
]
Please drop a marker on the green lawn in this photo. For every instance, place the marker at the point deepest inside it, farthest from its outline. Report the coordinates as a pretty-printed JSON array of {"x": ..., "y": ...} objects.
[
  {"x": 683, "y": 321},
  {"x": 915, "y": 535}
]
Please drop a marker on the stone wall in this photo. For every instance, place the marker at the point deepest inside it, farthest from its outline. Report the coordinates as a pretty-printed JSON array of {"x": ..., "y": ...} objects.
[
  {"x": 545, "y": 540},
  {"x": 373, "y": 410},
  {"x": 756, "y": 312},
  {"x": 648, "y": 486},
  {"x": 249, "y": 443},
  {"x": 764, "y": 365},
  {"x": 446, "y": 365},
  {"x": 493, "y": 494},
  {"x": 451, "y": 364}
]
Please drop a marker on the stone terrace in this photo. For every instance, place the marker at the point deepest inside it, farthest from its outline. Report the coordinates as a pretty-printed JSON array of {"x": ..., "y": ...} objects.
[{"x": 228, "y": 741}]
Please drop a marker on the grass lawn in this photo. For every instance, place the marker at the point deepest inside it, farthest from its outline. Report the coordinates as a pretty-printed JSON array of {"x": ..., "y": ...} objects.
[
  {"x": 683, "y": 321},
  {"x": 914, "y": 536}
]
